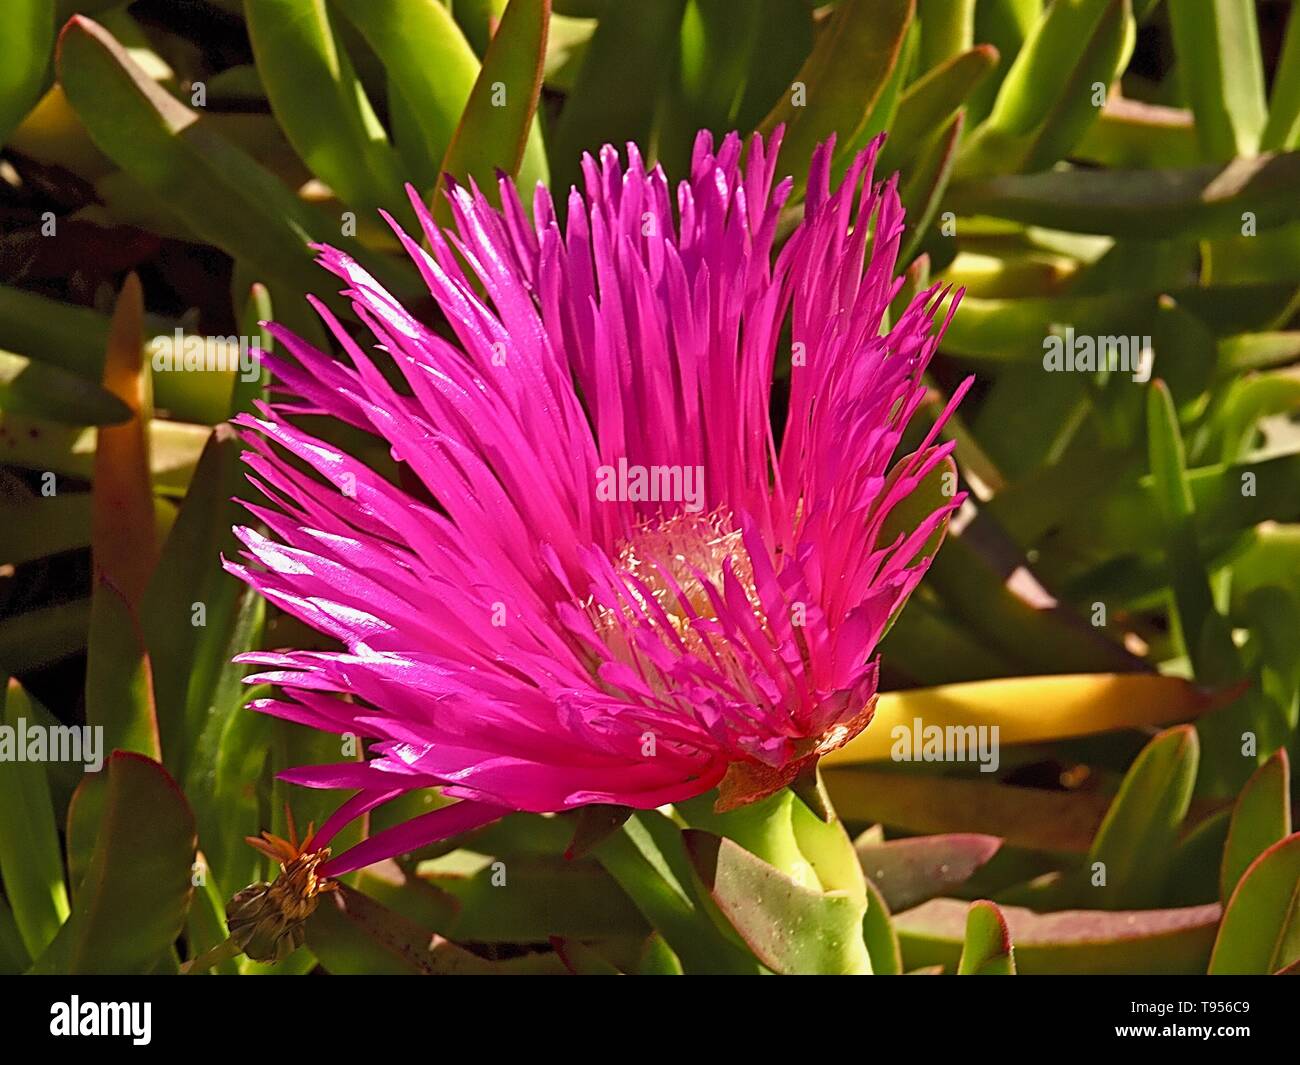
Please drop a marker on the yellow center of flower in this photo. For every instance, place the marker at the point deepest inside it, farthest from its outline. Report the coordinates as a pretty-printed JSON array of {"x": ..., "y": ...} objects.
[{"x": 674, "y": 562}]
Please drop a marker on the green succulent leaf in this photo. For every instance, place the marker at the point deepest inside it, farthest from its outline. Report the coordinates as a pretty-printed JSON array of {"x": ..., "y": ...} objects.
[
  {"x": 320, "y": 103},
  {"x": 27, "y": 30},
  {"x": 790, "y": 928},
  {"x": 627, "y": 49},
  {"x": 987, "y": 949},
  {"x": 1047, "y": 100},
  {"x": 932, "y": 101},
  {"x": 352, "y": 934},
  {"x": 649, "y": 861},
  {"x": 1261, "y": 817},
  {"x": 1203, "y": 201},
  {"x": 910, "y": 871},
  {"x": 1094, "y": 942},
  {"x": 431, "y": 70},
  {"x": 491, "y": 137},
  {"x": 845, "y": 77},
  {"x": 30, "y": 862},
  {"x": 131, "y": 903},
  {"x": 1282, "y": 131},
  {"x": 1135, "y": 843},
  {"x": 879, "y": 935},
  {"x": 1260, "y": 932},
  {"x": 220, "y": 192},
  {"x": 1221, "y": 73}
]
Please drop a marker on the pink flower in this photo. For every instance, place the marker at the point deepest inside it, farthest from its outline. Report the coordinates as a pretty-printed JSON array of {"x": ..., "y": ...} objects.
[{"x": 632, "y": 588}]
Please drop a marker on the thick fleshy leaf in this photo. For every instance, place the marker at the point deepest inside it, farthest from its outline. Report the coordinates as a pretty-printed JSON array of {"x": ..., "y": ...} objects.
[
  {"x": 932, "y": 101},
  {"x": 648, "y": 859},
  {"x": 495, "y": 129},
  {"x": 1045, "y": 103},
  {"x": 131, "y": 905},
  {"x": 1135, "y": 843},
  {"x": 947, "y": 30},
  {"x": 987, "y": 949},
  {"x": 527, "y": 900},
  {"x": 220, "y": 192},
  {"x": 34, "y": 444},
  {"x": 582, "y": 960},
  {"x": 1217, "y": 45},
  {"x": 1008, "y": 330},
  {"x": 1261, "y": 817},
  {"x": 1094, "y": 942},
  {"x": 1027, "y": 709},
  {"x": 119, "y": 680},
  {"x": 790, "y": 928},
  {"x": 879, "y": 935},
  {"x": 923, "y": 191},
  {"x": 842, "y": 80},
  {"x": 191, "y": 606},
  {"x": 72, "y": 338},
  {"x": 41, "y": 391},
  {"x": 27, "y": 33},
  {"x": 46, "y": 525},
  {"x": 119, "y": 684},
  {"x": 1282, "y": 130},
  {"x": 1207, "y": 643},
  {"x": 430, "y": 66},
  {"x": 320, "y": 103},
  {"x": 718, "y": 52},
  {"x": 38, "y": 638},
  {"x": 1034, "y": 818},
  {"x": 1206, "y": 201},
  {"x": 125, "y": 551},
  {"x": 30, "y": 862},
  {"x": 352, "y": 934},
  {"x": 1132, "y": 134},
  {"x": 1260, "y": 932},
  {"x": 911, "y": 871}
]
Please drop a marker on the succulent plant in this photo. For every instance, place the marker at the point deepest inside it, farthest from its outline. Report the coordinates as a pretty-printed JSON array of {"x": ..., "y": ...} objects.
[{"x": 1072, "y": 755}]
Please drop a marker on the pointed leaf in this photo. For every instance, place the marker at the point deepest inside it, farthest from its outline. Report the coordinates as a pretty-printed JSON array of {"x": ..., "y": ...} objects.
[
  {"x": 842, "y": 80},
  {"x": 30, "y": 863},
  {"x": 1221, "y": 73},
  {"x": 492, "y": 136},
  {"x": 132, "y": 903},
  {"x": 791, "y": 929},
  {"x": 915, "y": 870},
  {"x": 1135, "y": 842},
  {"x": 879, "y": 935},
  {"x": 320, "y": 103},
  {"x": 1260, "y": 932},
  {"x": 1260, "y": 818},
  {"x": 1092, "y": 942},
  {"x": 987, "y": 949}
]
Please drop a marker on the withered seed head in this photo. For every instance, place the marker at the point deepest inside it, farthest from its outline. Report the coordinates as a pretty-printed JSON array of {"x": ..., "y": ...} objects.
[{"x": 266, "y": 920}]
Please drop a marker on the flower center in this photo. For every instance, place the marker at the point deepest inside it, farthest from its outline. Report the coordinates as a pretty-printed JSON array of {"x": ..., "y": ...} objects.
[{"x": 673, "y": 565}]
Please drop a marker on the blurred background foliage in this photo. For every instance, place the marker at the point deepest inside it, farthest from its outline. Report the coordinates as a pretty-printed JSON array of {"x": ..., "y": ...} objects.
[{"x": 1130, "y": 560}]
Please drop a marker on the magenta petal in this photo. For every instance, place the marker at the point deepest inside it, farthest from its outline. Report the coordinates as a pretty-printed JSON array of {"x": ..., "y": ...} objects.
[
  {"x": 601, "y": 576},
  {"x": 427, "y": 828}
]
